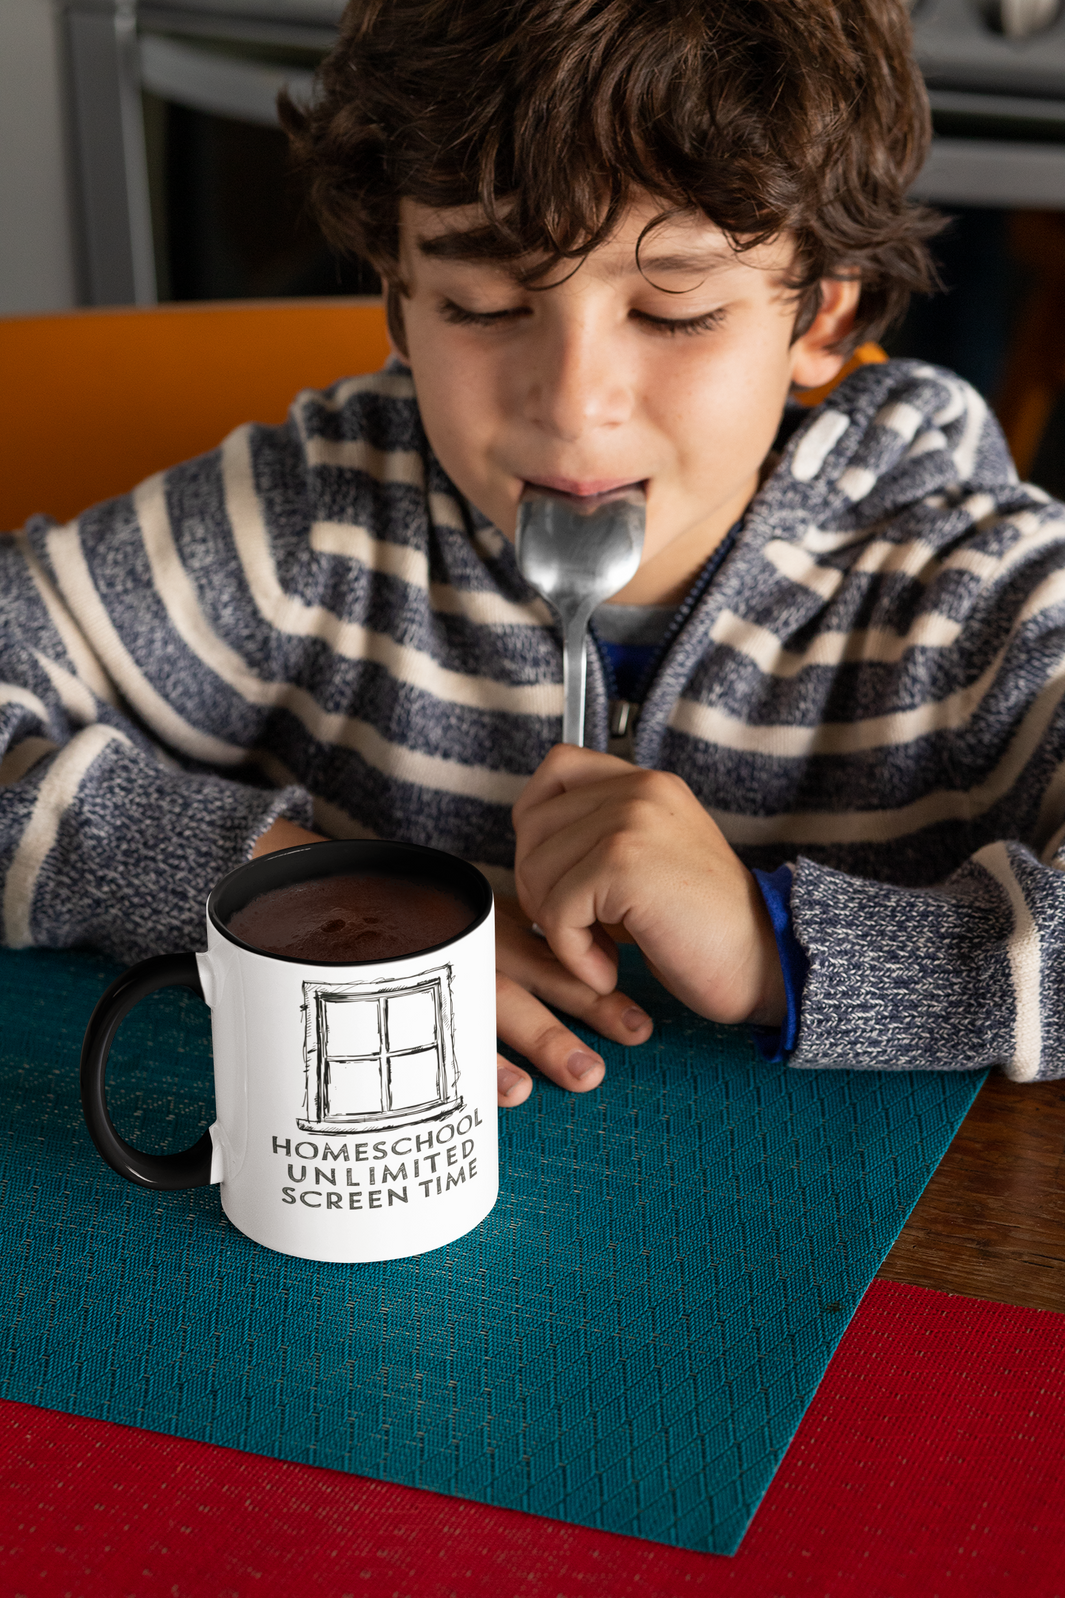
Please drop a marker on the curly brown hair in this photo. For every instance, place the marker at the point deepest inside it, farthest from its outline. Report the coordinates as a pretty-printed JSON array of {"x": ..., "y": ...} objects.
[{"x": 800, "y": 116}]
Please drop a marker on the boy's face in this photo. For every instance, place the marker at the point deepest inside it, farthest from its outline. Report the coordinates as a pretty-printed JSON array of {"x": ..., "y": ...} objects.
[{"x": 674, "y": 378}]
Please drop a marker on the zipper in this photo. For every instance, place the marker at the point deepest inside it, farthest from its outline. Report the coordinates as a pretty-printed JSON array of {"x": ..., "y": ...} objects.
[
  {"x": 624, "y": 714},
  {"x": 621, "y": 729}
]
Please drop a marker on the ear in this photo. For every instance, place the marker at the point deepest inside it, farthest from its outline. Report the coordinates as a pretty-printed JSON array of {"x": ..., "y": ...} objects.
[{"x": 814, "y": 360}]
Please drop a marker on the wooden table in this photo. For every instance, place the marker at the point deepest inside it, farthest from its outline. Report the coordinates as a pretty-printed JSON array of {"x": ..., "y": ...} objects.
[{"x": 991, "y": 1222}]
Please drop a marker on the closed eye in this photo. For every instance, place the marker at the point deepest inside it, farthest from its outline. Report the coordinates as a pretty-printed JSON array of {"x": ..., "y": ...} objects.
[
  {"x": 461, "y": 317},
  {"x": 672, "y": 325}
]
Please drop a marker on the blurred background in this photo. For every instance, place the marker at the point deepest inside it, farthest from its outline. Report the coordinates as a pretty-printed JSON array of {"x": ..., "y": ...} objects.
[{"x": 141, "y": 162}]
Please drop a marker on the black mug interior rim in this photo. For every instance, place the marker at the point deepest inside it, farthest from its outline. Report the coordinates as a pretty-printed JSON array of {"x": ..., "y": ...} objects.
[{"x": 310, "y": 862}]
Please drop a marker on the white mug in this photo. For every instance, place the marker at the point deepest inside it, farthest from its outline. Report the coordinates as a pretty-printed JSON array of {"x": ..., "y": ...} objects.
[{"x": 355, "y": 1102}]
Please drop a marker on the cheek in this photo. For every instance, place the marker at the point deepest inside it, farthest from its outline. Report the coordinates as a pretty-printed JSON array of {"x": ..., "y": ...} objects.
[
  {"x": 723, "y": 407},
  {"x": 450, "y": 419},
  {"x": 460, "y": 397},
  {"x": 454, "y": 396}
]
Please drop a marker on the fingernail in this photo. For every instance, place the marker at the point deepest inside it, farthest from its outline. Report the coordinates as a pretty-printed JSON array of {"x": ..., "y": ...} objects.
[
  {"x": 506, "y": 1080},
  {"x": 579, "y": 1063},
  {"x": 635, "y": 1019}
]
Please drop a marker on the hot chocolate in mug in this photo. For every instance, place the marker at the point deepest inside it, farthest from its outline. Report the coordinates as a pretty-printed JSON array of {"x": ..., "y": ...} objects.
[{"x": 355, "y": 1102}]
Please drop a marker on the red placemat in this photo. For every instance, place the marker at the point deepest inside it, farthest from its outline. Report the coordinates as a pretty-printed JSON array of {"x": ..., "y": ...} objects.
[{"x": 930, "y": 1464}]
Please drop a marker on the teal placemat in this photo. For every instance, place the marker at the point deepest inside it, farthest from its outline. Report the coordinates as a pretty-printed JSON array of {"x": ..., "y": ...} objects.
[{"x": 628, "y": 1341}]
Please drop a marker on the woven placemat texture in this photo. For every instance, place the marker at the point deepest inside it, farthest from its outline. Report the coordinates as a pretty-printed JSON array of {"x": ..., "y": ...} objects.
[
  {"x": 929, "y": 1465},
  {"x": 628, "y": 1342}
]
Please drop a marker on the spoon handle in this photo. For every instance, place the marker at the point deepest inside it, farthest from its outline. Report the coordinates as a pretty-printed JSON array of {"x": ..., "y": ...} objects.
[{"x": 574, "y": 670}]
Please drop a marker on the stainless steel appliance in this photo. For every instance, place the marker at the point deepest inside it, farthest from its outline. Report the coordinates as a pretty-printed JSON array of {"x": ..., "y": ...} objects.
[
  {"x": 164, "y": 91},
  {"x": 180, "y": 164},
  {"x": 995, "y": 71}
]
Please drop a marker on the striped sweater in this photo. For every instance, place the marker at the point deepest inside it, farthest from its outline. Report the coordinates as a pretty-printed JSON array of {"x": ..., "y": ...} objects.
[{"x": 311, "y": 622}]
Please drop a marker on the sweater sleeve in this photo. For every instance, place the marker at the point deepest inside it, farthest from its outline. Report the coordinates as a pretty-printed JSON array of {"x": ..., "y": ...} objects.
[
  {"x": 957, "y": 977},
  {"x": 129, "y": 780},
  {"x": 965, "y": 971},
  {"x": 775, "y": 1043},
  {"x": 929, "y": 889}
]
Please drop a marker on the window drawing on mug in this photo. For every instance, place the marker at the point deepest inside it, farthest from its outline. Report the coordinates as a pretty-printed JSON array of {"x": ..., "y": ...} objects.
[{"x": 379, "y": 1054}]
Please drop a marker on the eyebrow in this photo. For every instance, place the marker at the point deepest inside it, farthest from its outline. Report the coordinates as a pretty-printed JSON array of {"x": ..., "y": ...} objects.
[
  {"x": 478, "y": 246},
  {"x": 474, "y": 244}
]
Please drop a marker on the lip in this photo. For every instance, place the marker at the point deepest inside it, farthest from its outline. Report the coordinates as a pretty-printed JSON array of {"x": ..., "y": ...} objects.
[{"x": 584, "y": 488}]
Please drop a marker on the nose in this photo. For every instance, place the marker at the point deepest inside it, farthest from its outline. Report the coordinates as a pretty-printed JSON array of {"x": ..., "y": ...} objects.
[{"x": 577, "y": 383}]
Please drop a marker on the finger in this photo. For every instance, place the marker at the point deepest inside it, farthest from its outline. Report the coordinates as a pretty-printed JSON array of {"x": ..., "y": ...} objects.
[
  {"x": 572, "y": 885},
  {"x": 566, "y": 767},
  {"x": 581, "y": 950},
  {"x": 569, "y": 807},
  {"x": 530, "y": 962},
  {"x": 513, "y": 1085},
  {"x": 528, "y": 1026},
  {"x": 652, "y": 806},
  {"x": 616, "y": 835}
]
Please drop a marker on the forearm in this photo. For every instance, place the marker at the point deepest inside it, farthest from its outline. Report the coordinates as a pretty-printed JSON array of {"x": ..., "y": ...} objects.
[{"x": 100, "y": 845}]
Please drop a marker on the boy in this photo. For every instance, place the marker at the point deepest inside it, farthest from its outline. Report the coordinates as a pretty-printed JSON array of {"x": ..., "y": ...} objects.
[{"x": 614, "y": 235}]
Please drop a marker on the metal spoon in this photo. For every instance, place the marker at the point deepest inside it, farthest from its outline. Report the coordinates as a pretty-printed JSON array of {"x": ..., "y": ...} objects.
[{"x": 575, "y": 556}]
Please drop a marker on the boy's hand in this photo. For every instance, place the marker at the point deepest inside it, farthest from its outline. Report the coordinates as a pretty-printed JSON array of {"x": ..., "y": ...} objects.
[
  {"x": 526, "y": 972},
  {"x": 602, "y": 843}
]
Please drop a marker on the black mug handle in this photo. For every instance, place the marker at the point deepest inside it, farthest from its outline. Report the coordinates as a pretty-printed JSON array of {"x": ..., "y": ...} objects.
[{"x": 192, "y": 1167}]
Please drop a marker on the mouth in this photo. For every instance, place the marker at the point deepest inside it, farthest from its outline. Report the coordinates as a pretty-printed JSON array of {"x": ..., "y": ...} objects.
[{"x": 586, "y": 494}]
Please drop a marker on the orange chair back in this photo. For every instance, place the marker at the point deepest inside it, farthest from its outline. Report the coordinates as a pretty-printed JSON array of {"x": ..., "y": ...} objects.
[{"x": 92, "y": 402}]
